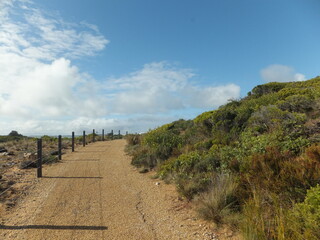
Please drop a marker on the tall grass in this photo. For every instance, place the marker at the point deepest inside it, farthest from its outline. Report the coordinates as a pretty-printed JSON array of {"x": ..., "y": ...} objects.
[{"x": 219, "y": 203}]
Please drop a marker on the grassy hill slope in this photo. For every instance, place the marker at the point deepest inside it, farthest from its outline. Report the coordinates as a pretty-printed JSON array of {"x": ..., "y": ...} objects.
[{"x": 253, "y": 164}]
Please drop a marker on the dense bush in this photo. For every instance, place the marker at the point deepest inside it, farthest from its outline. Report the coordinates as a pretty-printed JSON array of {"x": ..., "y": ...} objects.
[
  {"x": 305, "y": 216},
  {"x": 268, "y": 142}
]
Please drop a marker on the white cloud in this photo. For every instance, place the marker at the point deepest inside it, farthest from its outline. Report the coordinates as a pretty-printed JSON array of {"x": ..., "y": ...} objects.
[
  {"x": 47, "y": 90},
  {"x": 160, "y": 87},
  {"x": 36, "y": 78},
  {"x": 57, "y": 97},
  {"x": 32, "y": 33},
  {"x": 42, "y": 92},
  {"x": 280, "y": 73},
  {"x": 65, "y": 127}
]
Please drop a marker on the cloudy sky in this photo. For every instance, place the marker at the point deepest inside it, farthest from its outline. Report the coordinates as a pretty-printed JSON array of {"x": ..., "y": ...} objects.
[{"x": 133, "y": 65}]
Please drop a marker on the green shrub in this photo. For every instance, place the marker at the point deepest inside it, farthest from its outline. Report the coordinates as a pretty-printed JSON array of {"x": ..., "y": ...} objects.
[
  {"x": 184, "y": 164},
  {"x": 267, "y": 118},
  {"x": 203, "y": 145},
  {"x": 162, "y": 142},
  {"x": 207, "y": 163},
  {"x": 297, "y": 103},
  {"x": 305, "y": 216},
  {"x": 294, "y": 145},
  {"x": 188, "y": 186},
  {"x": 268, "y": 88},
  {"x": 143, "y": 157}
]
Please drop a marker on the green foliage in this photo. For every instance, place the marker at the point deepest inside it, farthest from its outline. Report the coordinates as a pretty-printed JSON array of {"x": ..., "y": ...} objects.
[
  {"x": 202, "y": 118},
  {"x": 267, "y": 118},
  {"x": 268, "y": 88},
  {"x": 268, "y": 142},
  {"x": 306, "y": 216},
  {"x": 190, "y": 185},
  {"x": 162, "y": 142},
  {"x": 183, "y": 164},
  {"x": 297, "y": 103}
]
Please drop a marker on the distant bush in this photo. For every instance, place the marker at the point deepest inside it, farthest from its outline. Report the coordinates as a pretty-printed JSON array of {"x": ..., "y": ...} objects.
[
  {"x": 133, "y": 139},
  {"x": 268, "y": 88},
  {"x": 14, "y": 134}
]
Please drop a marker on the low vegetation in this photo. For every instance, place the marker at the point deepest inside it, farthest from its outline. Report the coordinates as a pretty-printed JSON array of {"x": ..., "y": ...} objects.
[
  {"x": 252, "y": 164},
  {"x": 18, "y": 154},
  {"x": 18, "y": 158}
]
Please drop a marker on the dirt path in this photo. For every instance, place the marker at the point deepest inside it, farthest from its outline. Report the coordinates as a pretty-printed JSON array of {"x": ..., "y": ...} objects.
[{"x": 96, "y": 194}]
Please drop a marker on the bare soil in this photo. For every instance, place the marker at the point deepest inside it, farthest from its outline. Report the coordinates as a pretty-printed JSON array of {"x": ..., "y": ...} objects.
[{"x": 94, "y": 193}]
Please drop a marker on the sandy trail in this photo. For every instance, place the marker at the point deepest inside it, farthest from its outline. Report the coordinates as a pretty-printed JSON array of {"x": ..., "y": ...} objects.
[{"x": 94, "y": 193}]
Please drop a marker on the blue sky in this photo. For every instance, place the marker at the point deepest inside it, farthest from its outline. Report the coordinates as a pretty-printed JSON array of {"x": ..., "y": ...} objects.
[{"x": 134, "y": 65}]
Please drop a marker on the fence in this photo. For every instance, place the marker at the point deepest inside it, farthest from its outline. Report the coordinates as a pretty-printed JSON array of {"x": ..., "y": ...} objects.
[{"x": 49, "y": 158}]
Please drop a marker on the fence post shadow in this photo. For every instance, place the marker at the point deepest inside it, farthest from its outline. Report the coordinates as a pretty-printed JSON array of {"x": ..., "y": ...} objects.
[{"x": 53, "y": 227}]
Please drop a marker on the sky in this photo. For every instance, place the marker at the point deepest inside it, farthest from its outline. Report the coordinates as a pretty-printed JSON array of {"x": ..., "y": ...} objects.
[{"x": 133, "y": 65}]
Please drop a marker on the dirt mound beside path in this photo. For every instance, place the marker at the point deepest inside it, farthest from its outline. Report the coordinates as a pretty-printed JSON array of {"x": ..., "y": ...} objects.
[{"x": 94, "y": 193}]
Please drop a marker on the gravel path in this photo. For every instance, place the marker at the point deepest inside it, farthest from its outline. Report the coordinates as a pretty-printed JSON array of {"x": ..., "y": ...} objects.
[{"x": 95, "y": 193}]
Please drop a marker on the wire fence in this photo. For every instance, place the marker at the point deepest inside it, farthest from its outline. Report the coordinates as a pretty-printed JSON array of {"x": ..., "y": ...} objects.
[{"x": 57, "y": 145}]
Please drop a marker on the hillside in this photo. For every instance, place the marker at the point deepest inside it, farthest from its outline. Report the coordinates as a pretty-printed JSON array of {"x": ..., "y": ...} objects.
[{"x": 253, "y": 164}]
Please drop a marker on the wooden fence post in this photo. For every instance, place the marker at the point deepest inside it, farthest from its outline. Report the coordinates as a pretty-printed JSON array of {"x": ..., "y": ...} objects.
[
  {"x": 39, "y": 156},
  {"x": 93, "y": 135},
  {"x": 59, "y": 147},
  {"x": 72, "y": 141},
  {"x": 119, "y": 134},
  {"x": 111, "y": 134},
  {"x": 84, "y": 138},
  {"x": 102, "y": 134}
]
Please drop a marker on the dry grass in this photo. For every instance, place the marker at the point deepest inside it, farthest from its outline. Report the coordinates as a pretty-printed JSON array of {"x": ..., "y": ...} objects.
[{"x": 219, "y": 202}]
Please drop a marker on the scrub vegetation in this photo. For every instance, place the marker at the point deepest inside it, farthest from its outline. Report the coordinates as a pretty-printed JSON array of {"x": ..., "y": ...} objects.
[{"x": 252, "y": 164}]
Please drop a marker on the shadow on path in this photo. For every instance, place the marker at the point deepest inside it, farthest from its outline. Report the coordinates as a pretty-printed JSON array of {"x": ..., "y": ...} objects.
[
  {"x": 85, "y": 151},
  {"x": 73, "y": 177},
  {"x": 83, "y": 160},
  {"x": 54, "y": 227}
]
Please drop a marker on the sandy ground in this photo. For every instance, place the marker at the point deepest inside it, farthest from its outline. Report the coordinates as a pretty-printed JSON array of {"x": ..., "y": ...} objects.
[{"x": 94, "y": 193}]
